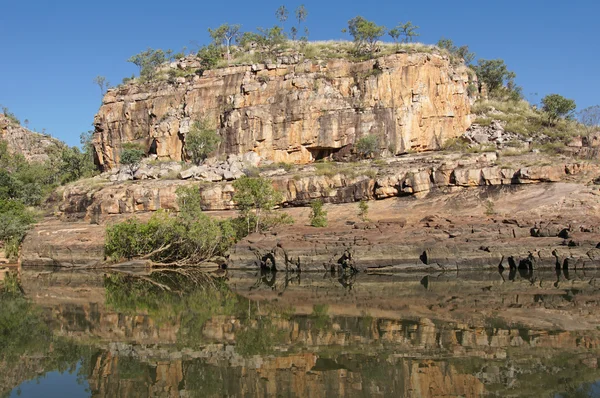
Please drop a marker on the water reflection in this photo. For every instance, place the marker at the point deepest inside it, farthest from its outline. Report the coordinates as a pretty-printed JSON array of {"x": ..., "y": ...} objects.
[{"x": 176, "y": 334}]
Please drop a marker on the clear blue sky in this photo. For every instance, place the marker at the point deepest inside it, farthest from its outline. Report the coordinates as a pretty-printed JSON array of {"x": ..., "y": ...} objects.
[{"x": 52, "y": 49}]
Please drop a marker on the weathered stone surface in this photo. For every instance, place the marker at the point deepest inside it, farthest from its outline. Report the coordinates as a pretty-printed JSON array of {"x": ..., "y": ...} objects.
[
  {"x": 411, "y": 102},
  {"x": 33, "y": 146}
]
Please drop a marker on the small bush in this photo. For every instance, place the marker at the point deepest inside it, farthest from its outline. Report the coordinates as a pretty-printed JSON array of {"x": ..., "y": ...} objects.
[
  {"x": 367, "y": 146},
  {"x": 318, "y": 216},
  {"x": 363, "y": 210}
]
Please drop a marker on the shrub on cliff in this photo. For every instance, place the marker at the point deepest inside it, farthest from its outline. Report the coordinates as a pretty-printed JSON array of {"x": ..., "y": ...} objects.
[
  {"x": 367, "y": 146},
  {"x": 269, "y": 41},
  {"x": 201, "y": 141},
  {"x": 10, "y": 116}
]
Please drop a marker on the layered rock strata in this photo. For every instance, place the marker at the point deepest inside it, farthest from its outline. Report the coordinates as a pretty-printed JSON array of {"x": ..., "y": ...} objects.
[{"x": 293, "y": 111}]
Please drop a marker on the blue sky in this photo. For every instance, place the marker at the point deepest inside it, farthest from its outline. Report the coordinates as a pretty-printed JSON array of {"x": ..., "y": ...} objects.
[{"x": 52, "y": 49}]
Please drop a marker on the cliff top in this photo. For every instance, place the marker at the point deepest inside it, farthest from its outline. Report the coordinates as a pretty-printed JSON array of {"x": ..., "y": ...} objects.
[{"x": 35, "y": 147}]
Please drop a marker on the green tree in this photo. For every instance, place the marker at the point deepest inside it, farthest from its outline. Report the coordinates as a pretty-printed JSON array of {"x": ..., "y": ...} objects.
[
  {"x": 590, "y": 116},
  {"x": 225, "y": 34},
  {"x": 367, "y": 146},
  {"x": 459, "y": 52},
  {"x": 558, "y": 107},
  {"x": 407, "y": 30},
  {"x": 317, "y": 216},
  {"x": 255, "y": 194},
  {"x": 131, "y": 156},
  {"x": 148, "y": 62},
  {"x": 494, "y": 74},
  {"x": 74, "y": 165},
  {"x": 209, "y": 56},
  {"x": 201, "y": 141},
  {"x": 271, "y": 41},
  {"x": 365, "y": 33}
]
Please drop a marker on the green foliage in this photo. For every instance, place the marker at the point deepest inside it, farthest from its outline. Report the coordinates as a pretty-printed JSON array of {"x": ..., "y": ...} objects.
[
  {"x": 209, "y": 56},
  {"x": 365, "y": 34},
  {"x": 496, "y": 76},
  {"x": 363, "y": 210},
  {"x": 201, "y": 141},
  {"x": 461, "y": 52},
  {"x": 148, "y": 62},
  {"x": 407, "y": 30},
  {"x": 270, "y": 41},
  {"x": 226, "y": 35},
  {"x": 15, "y": 220},
  {"x": 367, "y": 146},
  {"x": 75, "y": 164},
  {"x": 255, "y": 194},
  {"x": 131, "y": 156},
  {"x": 10, "y": 116},
  {"x": 317, "y": 216},
  {"x": 558, "y": 107},
  {"x": 188, "y": 238}
]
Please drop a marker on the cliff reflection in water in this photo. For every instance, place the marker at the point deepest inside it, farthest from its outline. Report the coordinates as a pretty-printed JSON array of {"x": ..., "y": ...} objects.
[{"x": 177, "y": 335}]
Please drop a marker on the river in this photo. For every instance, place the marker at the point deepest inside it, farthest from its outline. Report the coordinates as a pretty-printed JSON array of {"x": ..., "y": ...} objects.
[{"x": 252, "y": 334}]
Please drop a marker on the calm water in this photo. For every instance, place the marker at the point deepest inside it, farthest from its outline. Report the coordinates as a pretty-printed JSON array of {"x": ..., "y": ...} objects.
[{"x": 167, "y": 334}]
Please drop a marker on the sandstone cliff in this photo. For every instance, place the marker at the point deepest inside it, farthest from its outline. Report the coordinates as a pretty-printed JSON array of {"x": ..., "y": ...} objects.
[
  {"x": 33, "y": 146},
  {"x": 292, "y": 111}
]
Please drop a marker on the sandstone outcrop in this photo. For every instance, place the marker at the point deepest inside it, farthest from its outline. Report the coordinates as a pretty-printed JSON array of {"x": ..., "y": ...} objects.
[
  {"x": 33, "y": 146},
  {"x": 336, "y": 183},
  {"x": 293, "y": 111}
]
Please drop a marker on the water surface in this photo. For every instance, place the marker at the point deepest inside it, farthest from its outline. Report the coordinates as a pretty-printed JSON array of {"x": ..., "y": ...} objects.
[{"x": 168, "y": 334}]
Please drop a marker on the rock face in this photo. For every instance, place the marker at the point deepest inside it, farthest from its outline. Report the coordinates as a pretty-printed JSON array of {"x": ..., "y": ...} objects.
[
  {"x": 415, "y": 175},
  {"x": 33, "y": 146},
  {"x": 296, "y": 112}
]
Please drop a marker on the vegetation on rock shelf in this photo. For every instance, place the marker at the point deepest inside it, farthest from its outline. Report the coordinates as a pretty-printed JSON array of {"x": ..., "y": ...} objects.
[
  {"x": 317, "y": 216},
  {"x": 201, "y": 141},
  {"x": 191, "y": 237},
  {"x": 25, "y": 185}
]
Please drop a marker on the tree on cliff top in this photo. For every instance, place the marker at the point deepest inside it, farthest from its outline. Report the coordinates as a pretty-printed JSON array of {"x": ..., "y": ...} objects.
[
  {"x": 557, "y": 107},
  {"x": 365, "y": 33},
  {"x": 271, "y": 41},
  {"x": 455, "y": 51},
  {"x": 148, "y": 62},
  {"x": 225, "y": 34},
  {"x": 103, "y": 84},
  {"x": 408, "y": 30},
  {"x": 494, "y": 74}
]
